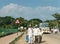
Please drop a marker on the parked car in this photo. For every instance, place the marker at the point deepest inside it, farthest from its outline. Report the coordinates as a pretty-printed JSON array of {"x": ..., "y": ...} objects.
[{"x": 56, "y": 30}]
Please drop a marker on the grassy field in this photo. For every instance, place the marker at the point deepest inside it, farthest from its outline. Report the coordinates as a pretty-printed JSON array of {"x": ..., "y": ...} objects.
[{"x": 4, "y": 32}]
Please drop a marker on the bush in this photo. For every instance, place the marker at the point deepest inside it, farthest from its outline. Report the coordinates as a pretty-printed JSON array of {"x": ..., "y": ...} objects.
[{"x": 5, "y": 32}]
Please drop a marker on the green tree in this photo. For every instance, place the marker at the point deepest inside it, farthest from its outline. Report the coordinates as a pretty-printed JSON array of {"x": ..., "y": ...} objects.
[
  {"x": 52, "y": 23},
  {"x": 6, "y": 22},
  {"x": 57, "y": 16},
  {"x": 34, "y": 21},
  {"x": 23, "y": 22}
]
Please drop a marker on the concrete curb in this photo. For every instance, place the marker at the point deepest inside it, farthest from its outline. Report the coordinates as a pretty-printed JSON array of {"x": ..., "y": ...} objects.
[{"x": 17, "y": 38}]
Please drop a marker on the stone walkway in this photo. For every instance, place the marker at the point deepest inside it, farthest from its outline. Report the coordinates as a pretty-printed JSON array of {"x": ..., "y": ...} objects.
[{"x": 22, "y": 40}]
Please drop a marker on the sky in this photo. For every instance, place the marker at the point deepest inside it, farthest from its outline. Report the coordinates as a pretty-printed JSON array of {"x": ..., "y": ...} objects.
[{"x": 28, "y": 9}]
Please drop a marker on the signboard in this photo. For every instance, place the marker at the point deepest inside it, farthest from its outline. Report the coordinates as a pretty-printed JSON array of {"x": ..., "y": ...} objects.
[{"x": 17, "y": 21}]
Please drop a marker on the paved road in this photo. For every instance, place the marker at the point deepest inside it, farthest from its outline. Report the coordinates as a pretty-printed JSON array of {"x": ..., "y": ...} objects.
[
  {"x": 51, "y": 39},
  {"x": 7, "y": 39},
  {"x": 47, "y": 39}
]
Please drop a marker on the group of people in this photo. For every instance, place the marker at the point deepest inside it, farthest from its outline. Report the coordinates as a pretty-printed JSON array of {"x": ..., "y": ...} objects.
[{"x": 34, "y": 34}]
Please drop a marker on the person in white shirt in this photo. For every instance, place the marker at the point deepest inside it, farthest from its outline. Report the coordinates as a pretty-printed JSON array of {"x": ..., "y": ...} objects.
[
  {"x": 30, "y": 33},
  {"x": 37, "y": 33}
]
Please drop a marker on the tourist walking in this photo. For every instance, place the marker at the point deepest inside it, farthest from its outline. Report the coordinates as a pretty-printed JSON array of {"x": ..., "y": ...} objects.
[
  {"x": 37, "y": 34},
  {"x": 30, "y": 34}
]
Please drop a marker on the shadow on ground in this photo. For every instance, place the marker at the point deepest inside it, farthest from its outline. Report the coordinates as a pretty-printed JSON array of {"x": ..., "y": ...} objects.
[{"x": 43, "y": 41}]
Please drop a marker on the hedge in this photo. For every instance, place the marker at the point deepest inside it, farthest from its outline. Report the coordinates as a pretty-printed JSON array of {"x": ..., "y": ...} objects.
[{"x": 4, "y": 32}]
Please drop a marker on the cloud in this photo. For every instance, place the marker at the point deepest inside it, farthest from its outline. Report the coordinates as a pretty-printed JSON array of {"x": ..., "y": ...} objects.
[{"x": 15, "y": 10}]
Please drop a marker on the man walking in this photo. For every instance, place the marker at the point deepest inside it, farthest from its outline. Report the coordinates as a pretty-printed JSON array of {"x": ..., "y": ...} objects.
[
  {"x": 30, "y": 34},
  {"x": 36, "y": 34}
]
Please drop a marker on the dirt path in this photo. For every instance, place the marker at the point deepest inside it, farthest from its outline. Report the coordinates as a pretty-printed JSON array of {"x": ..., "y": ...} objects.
[{"x": 8, "y": 39}]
